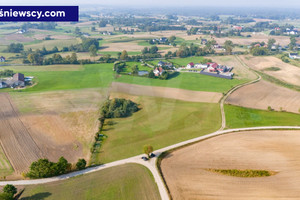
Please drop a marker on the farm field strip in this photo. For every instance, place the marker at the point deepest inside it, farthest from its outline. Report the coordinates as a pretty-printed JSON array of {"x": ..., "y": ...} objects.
[
  {"x": 164, "y": 92},
  {"x": 15, "y": 139},
  {"x": 262, "y": 94}
]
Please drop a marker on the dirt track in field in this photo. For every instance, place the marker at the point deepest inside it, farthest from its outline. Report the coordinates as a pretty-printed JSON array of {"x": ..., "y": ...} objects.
[
  {"x": 15, "y": 138},
  {"x": 172, "y": 93},
  {"x": 286, "y": 73},
  {"x": 262, "y": 94},
  {"x": 277, "y": 150}
]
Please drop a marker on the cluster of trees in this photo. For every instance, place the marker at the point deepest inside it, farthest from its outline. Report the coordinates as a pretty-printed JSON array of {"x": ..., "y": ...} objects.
[
  {"x": 231, "y": 20},
  {"x": 259, "y": 51},
  {"x": 192, "y": 50},
  {"x": 15, "y": 48},
  {"x": 8, "y": 193},
  {"x": 285, "y": 58},
  {"x": 44, "y": 168},
  {"x": 6, "y": 73},
  {"x": 115, "y": 108},
  {"x": 150, "y": 50},
  {"x": 42, "y": 25},
  {"x": 119, "y": 66},
  {"x": 155, "y": 27}
]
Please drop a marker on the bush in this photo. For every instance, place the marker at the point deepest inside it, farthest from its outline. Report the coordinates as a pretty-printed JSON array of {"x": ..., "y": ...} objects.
[
  {"x": 81, "y": 163},
  {"x": 116, "y": 108},
  {"x": 43, "y": 168}
]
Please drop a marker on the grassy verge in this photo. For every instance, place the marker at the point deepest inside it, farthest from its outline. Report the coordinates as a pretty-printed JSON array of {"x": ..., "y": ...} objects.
[
  {"x": 243, "y": 173},
  {"x": 160, "y": 122},
  {"x": 238, "y": 117},
  {"x": 129, "y": 181}
]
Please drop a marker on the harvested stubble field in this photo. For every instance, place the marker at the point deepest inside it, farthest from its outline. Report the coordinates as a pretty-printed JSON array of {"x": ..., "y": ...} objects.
[
  {"x": 15, "y": 138},
  {"x": 172, "y": 93},
  {"x": 287, "y": 73},
  {"x": 187, "y": 177},
  {"x": 63, "y": 123},
  {"x": 260, "y": 37},
  {"x": 262, "y": 94}
]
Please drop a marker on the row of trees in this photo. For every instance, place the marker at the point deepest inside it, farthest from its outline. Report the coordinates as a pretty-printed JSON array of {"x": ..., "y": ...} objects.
[
  {"x": 6, "y": 73},
  {"x": 44, "y": 168}
]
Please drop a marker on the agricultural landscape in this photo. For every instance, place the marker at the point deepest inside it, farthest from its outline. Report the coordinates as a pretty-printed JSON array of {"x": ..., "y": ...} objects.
[{"x": 127, "y": 104}]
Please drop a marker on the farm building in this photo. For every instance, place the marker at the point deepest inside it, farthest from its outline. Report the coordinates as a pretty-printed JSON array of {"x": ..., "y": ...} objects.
[
  {"x": 200, "y": 66},
  {"x": 158, "y": 71},
  {"x": 294, "y": 56},
  {"x": 2, "y": 59},
  {"x": 2, "y": 84},
  {"x": 190, "y": 65},
  {"x": 18, "y": 80},
  {"x": 164, "y": 64}
]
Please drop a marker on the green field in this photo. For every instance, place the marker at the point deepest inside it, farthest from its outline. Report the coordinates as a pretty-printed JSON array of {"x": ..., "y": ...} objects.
[
  {"x": 185, "y": 61},
  {"x": 238, "y": 117},
  {"x": 160, "y": 122},
  {"x": 5, "y": 167},
  {"x": 63, "y": 77},
  {"x": 49, "y": 44},
  {"x": 129, "y": 181},
  {"x": 188, "y": 81},
  {"x": 92, "y": 76},
  {"x": 115, "y": 53}
]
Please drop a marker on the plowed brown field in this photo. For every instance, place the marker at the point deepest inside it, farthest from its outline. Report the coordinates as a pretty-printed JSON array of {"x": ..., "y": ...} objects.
[
  {"x": 15, "y": 139},
  {"x": 262, "y": 94}
]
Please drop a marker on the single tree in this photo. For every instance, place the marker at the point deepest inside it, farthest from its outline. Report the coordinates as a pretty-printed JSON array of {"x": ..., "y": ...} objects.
[
  {"x": 228, "y": 46},
  {"x": 124, "y": 55},
  {"x": 10, "y": 189},
  {"x": 271, "y": 42},
  {"x": 148, "y": 149},
  {"x": 93, "y": 51},
  {"x": 135, "y": 70},
  {"x": 81, "y": 163}
]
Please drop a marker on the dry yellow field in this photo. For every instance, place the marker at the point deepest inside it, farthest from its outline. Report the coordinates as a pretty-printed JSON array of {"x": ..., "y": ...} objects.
[
  {"x": 172, "y": 93},
  {"x": 262, "y": 94},
  {"x": 287, "y": 73},
  {"x": 187, "y": 178}
]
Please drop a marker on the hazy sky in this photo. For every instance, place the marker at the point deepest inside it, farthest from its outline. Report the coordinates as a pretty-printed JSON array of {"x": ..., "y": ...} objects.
[{"x": 154, "y": 3}]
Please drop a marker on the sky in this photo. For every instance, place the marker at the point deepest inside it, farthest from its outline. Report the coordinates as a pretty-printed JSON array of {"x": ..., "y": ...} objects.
[{"x": 157, "y": 3}]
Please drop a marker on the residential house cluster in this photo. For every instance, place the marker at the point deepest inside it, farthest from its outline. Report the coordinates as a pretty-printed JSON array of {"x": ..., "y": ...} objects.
[
  {"x": 18, "y": 80},
  {"x": 212, "y": 69},
  {"x": 162, "y": 40},
  {"x": 289, "y": 31},
  {"x": 165, "y": 64}
]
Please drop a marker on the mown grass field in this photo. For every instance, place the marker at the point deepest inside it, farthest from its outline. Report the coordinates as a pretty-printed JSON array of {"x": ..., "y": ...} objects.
[
  {"x": 238, "y": 117},
  {"x": 188, "y": 81},
  {"x": 129, "y": 181},
  {"x": 160, "y": 122},
  {"x": 91, "y": 76},
  {"x": 63, "y": 77}
]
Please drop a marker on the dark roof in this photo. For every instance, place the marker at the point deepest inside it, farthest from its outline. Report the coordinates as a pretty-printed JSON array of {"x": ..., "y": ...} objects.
[
  {"x": 18, "y": 77},
  {"x": 294, "y": 54}
]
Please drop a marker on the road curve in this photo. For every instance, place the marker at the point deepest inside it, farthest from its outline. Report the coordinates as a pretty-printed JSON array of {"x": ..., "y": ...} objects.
[{"x": 151, "y": 165}]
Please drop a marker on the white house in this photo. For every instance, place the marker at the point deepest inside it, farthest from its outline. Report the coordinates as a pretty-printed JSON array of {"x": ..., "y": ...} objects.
[
  {"x": 200, "y": 66},
  {"x": 294, "y": 56},
  {"x": 190, "y": 65}
]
